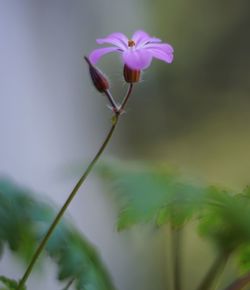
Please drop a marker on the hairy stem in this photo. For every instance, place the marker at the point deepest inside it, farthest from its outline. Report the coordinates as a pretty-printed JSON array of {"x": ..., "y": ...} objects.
[
  {"x": 112, "y": 101},
  {"x": 73, "y": 193},
  {"x": 215, "y": 270},
  {"x": 125, "y": 100}
]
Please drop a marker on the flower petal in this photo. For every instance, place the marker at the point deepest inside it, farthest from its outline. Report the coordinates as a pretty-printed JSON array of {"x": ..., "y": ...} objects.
[
  {"x": 162, "y": 51},
  {"x": 137, "y": 59},
  {"x": 164, "y": 46},
  {"x": 96, "y": 54},
  {"x": 116, "y": 38},
  {"x": 140, "y": 38}
]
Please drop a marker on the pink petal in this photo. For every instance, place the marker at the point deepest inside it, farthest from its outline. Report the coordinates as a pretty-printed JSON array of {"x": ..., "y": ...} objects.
[
  {"x": 116, "y": 38},
  {"x": 162, "y": 46},
  {"x": 141, "y": 37},
  {"x": 96, "y": 54},
  {"x": 137, "y": 59},
  {"x": 162, "y": 51}
]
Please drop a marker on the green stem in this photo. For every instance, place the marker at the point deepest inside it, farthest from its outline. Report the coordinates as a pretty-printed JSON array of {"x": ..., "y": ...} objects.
[
  {"x": 240, "y": 283},
  {"x": 213, "y": 273},
  {"x": 73, "y": 193},
  {"x": 176, "y": 255},
  {"x": 69, "y": 284},
  {"x": 125, "y": 100},
  {"x": 111, "y": 100}
]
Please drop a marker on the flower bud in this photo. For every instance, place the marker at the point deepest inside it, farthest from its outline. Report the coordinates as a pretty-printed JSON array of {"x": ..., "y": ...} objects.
[
  {"x": 131, "y": 75},
  {"x": 99, "y": 80}
]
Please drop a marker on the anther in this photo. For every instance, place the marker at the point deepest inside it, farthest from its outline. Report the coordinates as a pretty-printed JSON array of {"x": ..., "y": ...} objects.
[{"x": 131, "y": 43}]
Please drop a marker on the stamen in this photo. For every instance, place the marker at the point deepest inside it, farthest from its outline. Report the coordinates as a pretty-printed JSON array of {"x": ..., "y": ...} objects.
[{"x": 131, "y": 43}]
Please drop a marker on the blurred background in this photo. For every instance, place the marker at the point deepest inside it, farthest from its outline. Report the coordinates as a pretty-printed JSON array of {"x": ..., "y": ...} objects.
[{"x": 192, "y": 114}]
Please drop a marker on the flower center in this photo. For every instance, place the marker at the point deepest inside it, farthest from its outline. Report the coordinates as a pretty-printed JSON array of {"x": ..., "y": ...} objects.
[{"x": 131, "y": 43}]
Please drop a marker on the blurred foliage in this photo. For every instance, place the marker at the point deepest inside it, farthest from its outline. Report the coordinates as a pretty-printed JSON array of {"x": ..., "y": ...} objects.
[
  {"x": 226, "y": 219},
  {"x": 145, "y": 193},
  {"x": 9, "y": 283},
  {"x": 151, "y": 193},
  {"x": 157, "y": 195},
  {"x": 25, "y": 219}
]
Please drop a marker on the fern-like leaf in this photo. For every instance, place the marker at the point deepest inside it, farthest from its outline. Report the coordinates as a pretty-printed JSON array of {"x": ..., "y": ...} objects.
[
  {"x": 25, "y": 219},
  {"x": 151, "y": 193}
]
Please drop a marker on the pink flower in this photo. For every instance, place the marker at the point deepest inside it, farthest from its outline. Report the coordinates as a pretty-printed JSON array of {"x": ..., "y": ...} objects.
[{"x": 137, "y": 52}]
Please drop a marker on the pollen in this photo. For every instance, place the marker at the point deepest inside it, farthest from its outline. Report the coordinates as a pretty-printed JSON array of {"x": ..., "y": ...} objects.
[{"x": 131, "y": 43}]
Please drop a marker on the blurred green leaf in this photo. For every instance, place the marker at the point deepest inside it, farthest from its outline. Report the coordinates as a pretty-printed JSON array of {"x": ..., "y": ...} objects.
[
  {"x": 151, "y": 193},
  {"x": 226, "y": 219},
  {"x": 25, "y": 219},
  {"x": 9, "y": 283}
]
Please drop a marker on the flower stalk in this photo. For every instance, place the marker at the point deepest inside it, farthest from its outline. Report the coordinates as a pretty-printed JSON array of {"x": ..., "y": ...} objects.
[{"x": 73, "y": 193}]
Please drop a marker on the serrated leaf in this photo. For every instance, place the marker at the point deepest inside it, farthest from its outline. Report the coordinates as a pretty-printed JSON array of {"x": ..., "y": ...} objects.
[
  {"x": 226, "y": 219},
  {"x": 151, "y": 193}
]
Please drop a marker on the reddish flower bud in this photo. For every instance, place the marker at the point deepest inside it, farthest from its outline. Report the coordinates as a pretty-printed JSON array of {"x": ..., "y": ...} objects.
[
  {"x": 98, "y": 78},
  {"x": 131, "y": 75}
]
